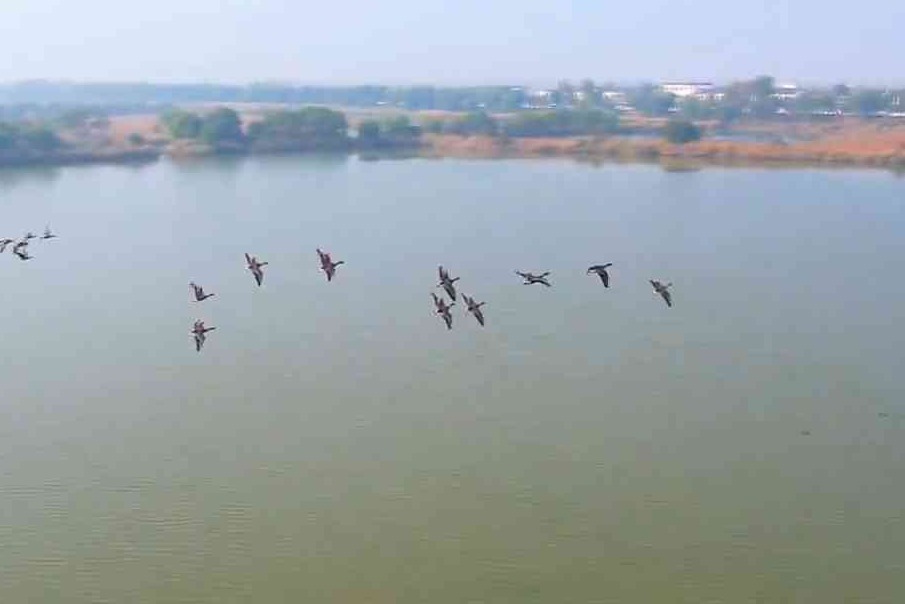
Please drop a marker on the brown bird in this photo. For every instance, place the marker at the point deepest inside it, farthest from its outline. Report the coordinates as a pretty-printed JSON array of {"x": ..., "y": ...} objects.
[
  {"x": 443, "y": 309},
  {"x": 199, "y": 292},
  {"x": 254, "y": 265},
  {"x": 600, "y": 269},
  {"x": 474, "y": 308},
  {"x": 446, "y": 283},
  {"x": 199, "y": 331},
  {"x": 532, "y": 278},
  {"x": 663, "y": 290},
  {"x": 328, "y": 265}
]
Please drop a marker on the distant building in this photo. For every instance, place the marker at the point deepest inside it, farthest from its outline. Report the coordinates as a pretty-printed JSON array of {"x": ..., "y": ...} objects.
[
  {"x": 785, "y": 92},
  {"x": 615, "y": 96},
  {"x": 688, "y": 89},
  {"x": 540, "y": 99}
]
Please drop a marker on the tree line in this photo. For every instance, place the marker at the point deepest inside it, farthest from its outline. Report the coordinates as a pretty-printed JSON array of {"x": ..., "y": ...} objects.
[
  {"x": 306, "y": 129},
  {"x": 324, "y": 129},
  {"x": 24, "y": 140}
]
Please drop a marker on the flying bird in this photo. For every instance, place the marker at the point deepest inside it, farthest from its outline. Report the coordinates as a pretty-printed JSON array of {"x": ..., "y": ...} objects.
[
  {"x": 663, "y": 290},
  {"x": 28, "y": 235},
  {"x": 531, "y": 278},
  {"x": 20, "y": 250},
  {"x": 254, "y": 265},
  {"x": 328, "y": 265},
  {"x": 443, "y": 309},
  {"x": 600, "y": 269},
  {"x": 446, "y": 283},
  {"x": 474, "y": 308},
  {"x": 199, "y": 292},
  {"x": 47, "y": 233},
  {"x": 199, "y": 332}
]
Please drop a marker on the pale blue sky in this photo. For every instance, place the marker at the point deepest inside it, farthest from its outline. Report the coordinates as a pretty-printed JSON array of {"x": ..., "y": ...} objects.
[{"x": 451, "y": 41}]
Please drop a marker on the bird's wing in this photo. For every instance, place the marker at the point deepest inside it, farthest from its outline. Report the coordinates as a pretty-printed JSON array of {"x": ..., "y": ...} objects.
[
  {"x": 605, "y": 278},
  {"x": 666, "y": 296}
]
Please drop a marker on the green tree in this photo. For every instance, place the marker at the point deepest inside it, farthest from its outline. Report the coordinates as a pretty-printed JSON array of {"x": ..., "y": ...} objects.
[
  {"x": 222, "y": 127},
  {"x": 40, "y": 138},
  {"x": 678, "y": 131},
  {"x": 399, "y": 128},
  {"x": 649, "y": 100},
  {"x": 182, "y": 124},
  {"x": 369, "y": 133},
  {"x": 841, "y": 90},
  {"x": 475, "y": 122},
  {"x": 869, "y": 102},
  {"x": 590, "y": 94},
  {"x": 696, "y": 109},
  {"x": 308, "y": 128},
  {"x": 762, "y": 87}
]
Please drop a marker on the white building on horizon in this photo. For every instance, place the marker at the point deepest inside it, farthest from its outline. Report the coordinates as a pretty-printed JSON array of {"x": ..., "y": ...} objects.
[{"x": 687, "y": 89}]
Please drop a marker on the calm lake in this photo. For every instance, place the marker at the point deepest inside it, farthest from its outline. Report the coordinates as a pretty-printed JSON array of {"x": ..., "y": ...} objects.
[{"x": 335, "y": 443}]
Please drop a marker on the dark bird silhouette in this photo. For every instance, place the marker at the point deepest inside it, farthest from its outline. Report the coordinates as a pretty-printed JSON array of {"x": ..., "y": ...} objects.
[
  {"x": 328, "y": 265},
  {"x": 199, "y": 292},
  {"x": 443, "y": 309},
  {"x": 446, "y": 283},
  {"x": 3, "y": 244},
  {"x": 663, "y": 290},
  {"x": 47, "y": 233},
  {"x": 474, "y": 308},
  {"x": 531, "y": 278},
  {"x": 254, "y": 265},
  {"x": 20, "y": 250},
  {"x": 28, "y": 235},
  {"x": 600, "y": 269},
  {"x": 199, "y": 332}
]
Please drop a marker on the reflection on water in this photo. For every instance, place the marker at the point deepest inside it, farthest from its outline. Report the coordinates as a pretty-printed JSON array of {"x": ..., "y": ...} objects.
[
  {"x": 334, "y": 443},
  {"x": 13, "y": 177}
]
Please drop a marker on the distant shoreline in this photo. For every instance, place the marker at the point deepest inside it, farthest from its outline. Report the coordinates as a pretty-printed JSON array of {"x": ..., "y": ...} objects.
[
  {"x": 690, "y": 156},
  {"x": 702, "y": 153}
]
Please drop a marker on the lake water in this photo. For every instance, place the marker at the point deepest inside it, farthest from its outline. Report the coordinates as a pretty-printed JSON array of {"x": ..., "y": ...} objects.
[{"x": 335, "y": 443}]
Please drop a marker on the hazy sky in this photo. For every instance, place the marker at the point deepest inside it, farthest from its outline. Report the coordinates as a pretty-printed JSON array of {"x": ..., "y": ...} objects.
[{"x": 451, "y": 41}]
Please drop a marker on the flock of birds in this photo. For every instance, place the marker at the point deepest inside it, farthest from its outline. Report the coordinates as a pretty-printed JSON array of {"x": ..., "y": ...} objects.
[
  {"x": 442, "y": 307},
  {"x": 328, "y": 265},
  {"x": 20, "y": 249}
]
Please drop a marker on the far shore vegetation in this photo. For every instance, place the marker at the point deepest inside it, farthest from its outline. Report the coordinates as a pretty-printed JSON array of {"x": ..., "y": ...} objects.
[{"x": 755, "y": 121}]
